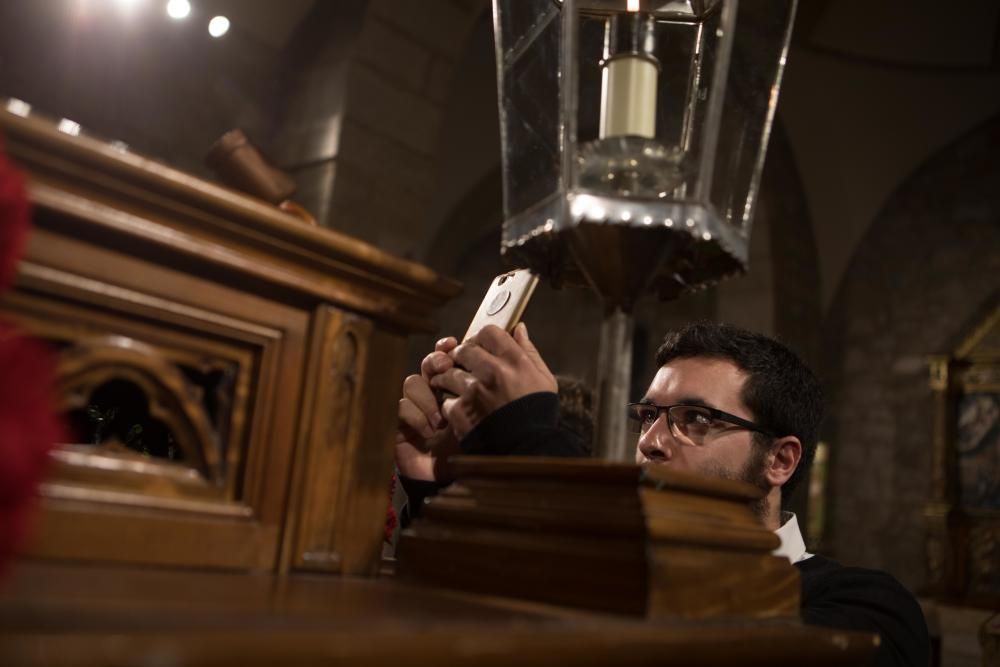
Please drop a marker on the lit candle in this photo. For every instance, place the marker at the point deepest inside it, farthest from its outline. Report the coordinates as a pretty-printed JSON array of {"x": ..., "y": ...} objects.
[{"x": 628, "y": 89}]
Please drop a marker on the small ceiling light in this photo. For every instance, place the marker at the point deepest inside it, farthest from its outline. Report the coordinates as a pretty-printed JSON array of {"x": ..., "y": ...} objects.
[
  {"x": 218, "y": 26},
  {"x": 69, "y": 127},
  {"x": 178, "y": 9},
  {"x": 18, "y": 107}
]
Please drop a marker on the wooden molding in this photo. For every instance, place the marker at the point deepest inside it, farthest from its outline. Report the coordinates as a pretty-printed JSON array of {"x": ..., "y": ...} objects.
[
  {"x": 99, "y": 189},
  {"x": 601, "y": 536}
]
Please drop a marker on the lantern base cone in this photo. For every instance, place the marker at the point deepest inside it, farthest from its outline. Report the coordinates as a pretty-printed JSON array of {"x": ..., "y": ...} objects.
[
  {"x": 623, "y": 247},
  {"x": 619, "y": 262}
]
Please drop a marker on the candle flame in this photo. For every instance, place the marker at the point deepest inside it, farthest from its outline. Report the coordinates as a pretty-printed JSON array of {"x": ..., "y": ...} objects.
[{"x": 633, "y": 6}]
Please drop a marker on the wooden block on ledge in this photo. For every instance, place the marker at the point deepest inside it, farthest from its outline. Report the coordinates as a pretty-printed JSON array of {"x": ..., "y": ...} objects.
[{"x": 648, "y": 542}]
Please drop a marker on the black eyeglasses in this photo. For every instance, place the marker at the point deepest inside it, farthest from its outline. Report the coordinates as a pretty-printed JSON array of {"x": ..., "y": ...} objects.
[{"x": 687, "y": 422}]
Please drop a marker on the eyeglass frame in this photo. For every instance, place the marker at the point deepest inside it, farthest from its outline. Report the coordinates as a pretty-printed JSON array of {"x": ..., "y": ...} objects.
[{"x": 716, "y": 414}]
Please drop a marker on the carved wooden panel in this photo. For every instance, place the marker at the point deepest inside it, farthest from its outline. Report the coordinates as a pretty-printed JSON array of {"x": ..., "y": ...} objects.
[
  {"x": 347, "y": 433},
  {"x": 166, "y": 415},
  {"x": 173, "y": 408}
]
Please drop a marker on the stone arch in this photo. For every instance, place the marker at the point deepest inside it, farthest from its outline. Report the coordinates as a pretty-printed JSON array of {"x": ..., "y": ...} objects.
[
  {"x": 927, "y": 263},
  {"x": 780, "y": 295}
]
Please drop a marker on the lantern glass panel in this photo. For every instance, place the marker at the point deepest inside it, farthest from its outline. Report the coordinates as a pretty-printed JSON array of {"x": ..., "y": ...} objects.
[
  {"x": 528, "y": 53},
  {"x": 755, "y": 67}
]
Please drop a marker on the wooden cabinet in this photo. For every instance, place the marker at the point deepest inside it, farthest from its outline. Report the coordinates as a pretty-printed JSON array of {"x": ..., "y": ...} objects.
[{"x": 230, "y": 373}]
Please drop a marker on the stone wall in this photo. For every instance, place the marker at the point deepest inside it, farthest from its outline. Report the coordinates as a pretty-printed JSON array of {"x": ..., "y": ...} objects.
[
  {"x": 926, "y": 267},
  {"x": 361, "y": 130}
]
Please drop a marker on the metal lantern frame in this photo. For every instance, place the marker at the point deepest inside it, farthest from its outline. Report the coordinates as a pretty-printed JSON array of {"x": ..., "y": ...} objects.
[{"x": 696, "y": 244}]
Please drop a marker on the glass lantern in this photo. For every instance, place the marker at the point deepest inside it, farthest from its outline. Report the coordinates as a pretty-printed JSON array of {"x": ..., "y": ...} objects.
[{"x": 633, "y": 137}]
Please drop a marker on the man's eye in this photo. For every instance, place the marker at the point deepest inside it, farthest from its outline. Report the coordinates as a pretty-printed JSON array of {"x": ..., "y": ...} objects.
[
  {"x": 698, "y": 418},
  {"x": 649, "y": 416}
]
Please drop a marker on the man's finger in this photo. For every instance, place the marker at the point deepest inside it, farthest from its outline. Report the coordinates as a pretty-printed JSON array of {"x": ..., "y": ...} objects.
[
  {"x": 435, "y": 363},
  {"x": 413, "y": 421},
  {"x": 484, "y": 366},
  {"x": 456, "y": 381},
  {"x": 417, "y": 390},
  {"x": 459, "y": 412},
  {"x": 446, "y": 344},
  {"x": 497, "y": 342},
  {"x": 463, "y": 410}
]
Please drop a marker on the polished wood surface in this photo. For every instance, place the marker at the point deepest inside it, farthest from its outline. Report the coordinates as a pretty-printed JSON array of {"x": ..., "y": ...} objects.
[
  {"x": 89, "y": 616},
  {"x": 459, "y": 644},
  {"x": 161, "y": 208},
  {"x": 268, "y": 352}
]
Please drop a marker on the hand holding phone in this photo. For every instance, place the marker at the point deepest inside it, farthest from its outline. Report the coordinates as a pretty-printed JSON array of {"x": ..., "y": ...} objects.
[
  {"x": 493, "y": 366},
  {"x": 436, "y": 391}
]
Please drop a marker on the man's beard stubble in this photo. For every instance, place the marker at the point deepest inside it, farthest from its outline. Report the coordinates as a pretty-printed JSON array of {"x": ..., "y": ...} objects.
[{"x": 752, "y": 473}]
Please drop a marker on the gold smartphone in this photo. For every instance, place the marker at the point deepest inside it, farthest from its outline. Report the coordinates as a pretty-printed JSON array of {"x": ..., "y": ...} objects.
[{"x": 504, "y": 302}]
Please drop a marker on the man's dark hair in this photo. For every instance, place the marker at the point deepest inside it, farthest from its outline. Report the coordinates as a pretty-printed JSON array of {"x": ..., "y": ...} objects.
[{"x": 781, "y": 392}]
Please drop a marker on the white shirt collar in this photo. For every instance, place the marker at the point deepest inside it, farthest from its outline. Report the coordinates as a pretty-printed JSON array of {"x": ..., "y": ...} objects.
[{"x": 792, "y": 546}]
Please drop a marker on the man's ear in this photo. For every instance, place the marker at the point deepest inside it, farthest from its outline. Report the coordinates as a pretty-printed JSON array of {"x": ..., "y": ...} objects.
[{"x": 785, "y": 455}]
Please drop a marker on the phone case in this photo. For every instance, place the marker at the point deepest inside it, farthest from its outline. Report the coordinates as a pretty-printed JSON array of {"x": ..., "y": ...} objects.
[{"x": 504, "y": 302}]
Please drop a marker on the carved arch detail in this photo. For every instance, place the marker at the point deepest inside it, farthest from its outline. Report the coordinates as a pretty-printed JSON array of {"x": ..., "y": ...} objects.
[{"x": 92, "y": 363}]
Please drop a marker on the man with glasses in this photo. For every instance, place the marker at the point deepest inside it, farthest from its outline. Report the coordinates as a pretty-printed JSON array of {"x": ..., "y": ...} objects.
[{"x": 724, "y": 402}]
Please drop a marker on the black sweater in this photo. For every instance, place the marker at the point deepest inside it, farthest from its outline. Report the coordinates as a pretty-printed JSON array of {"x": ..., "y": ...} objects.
[
  {"x": 833, "y": 596},
  {"x": 852, "y": 598}
]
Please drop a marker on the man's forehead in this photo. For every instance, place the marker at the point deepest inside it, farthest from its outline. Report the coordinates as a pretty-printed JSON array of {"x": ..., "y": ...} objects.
[{"x": 716, "y": 382}]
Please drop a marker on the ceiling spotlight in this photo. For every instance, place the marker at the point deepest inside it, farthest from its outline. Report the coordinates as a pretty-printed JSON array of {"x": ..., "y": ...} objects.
[
  {"x": 18, "y": 107},
  {"x": 178, "y": 9},
  {"x": 69, "y": 127},
  {"x": 218, "y": 26}
]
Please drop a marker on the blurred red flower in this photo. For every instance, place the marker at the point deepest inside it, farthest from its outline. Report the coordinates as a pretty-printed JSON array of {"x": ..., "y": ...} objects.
[
  {"x": 28, "y": 423},
  {"x": 28, "y": 429},
  {"x": 15, "y": 213},
  {"x": 391, "y": 520}
]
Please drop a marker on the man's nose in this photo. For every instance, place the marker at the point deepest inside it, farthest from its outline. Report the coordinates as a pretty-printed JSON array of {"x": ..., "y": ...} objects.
[{"x": 656, "y": 442}]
